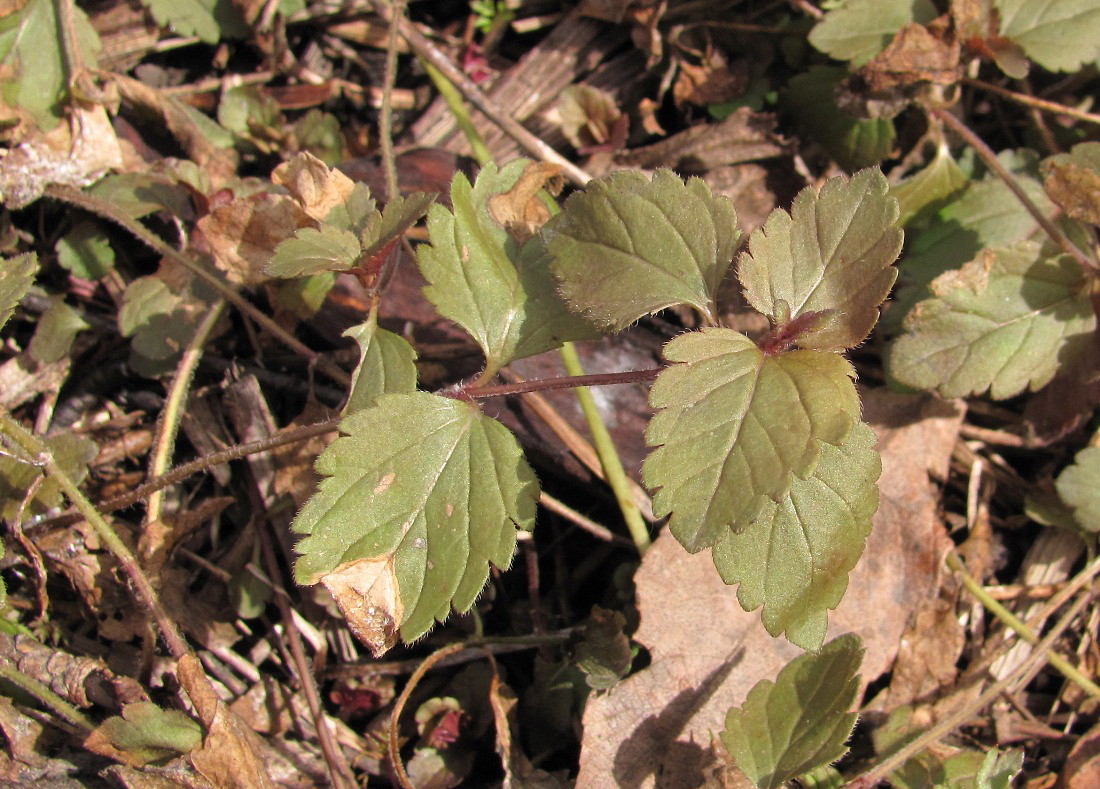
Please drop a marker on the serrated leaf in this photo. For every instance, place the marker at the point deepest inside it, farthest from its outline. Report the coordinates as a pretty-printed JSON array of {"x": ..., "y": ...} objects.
[
  {"x": 799, "y": 722},
  {"x": 1003, "y": 322},
  {"x": 32, "y": 60},
  {"x": 55, "y": 332},
  {"x": 146, "y": 733},
  {"x": 72, "y": 452},
  {"x": 319, "y": 133},
  {"x": 16, "y": 277},
  {"x": 1073, "y": 181},
  {"x": 922, "y": 193},
  {"x": 501, "y": 294},
  {"x": 86, "y": 252},
  {"x": 853, "y": 142},
  {"x": 314, "y": 250},
  {"x": 1059, "y": 35},
  {"x": 857, "y": 30},
  {"x": 1079, "y": 486},
  {"x": 795, "y": 556},
  {"x": 734, "y": 426},
  {"x": 387, "y": 365},
  {"x": 397, "y": 217},
  {"x": 832, "y": 254},
  {"x": 186, "y": 17},
  {"x": 629, "y": 246},
  {"x": 421, "y": 495}
]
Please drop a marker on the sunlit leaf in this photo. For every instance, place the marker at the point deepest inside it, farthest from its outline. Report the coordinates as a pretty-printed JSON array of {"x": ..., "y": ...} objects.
[
  {"x": 186, "y": 17},
  {"x": 146, "y": 733},
  {"x": 500, "y": 293},
  {"x": 420, "y": 496},
  {"x": 144, "y": 298},
  {"x": 734, "y": 426},
  {"x": 1003, "y": 322},
  {"x": 313, "y": 250},
  {"x": 857, "y": 30},
  {"x": 16, "y": 278},
  {"x": 396, "y": 218},
  {"x": 1079, "y": 487},
  {"x": 799, "y": 722},
  {"x": 72, "y": 453},
  {"x": 853, "y": 142},
  {"x": 1059, "y": 35},
  {"x": 32, "y": 59},
  {"x": 628, "y": 246},
  {"x": 55, "y": 332},
  {"x": 832, "y": 254},
  {"x": 939, "y": 181},
  {"x": 386, "y": 365},
  {"x": 86, "y": 252}
]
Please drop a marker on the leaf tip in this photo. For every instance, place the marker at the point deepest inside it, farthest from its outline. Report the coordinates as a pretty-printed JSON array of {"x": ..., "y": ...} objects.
[{"x": 367, "y": 592}]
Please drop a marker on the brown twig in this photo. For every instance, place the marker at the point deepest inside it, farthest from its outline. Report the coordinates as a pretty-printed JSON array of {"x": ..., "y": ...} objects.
[
  {"x": 564, "y": 382},
  {"x": 1034, "y": 101}
]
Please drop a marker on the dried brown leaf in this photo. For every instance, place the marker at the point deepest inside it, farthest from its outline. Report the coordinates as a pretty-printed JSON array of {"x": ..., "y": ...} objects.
[
  {"x": 313, "y": 184},
  {"x": 242, "y": 235},
  {"x": 519, "y": 210},
  {"x": 367, "y": 593}
]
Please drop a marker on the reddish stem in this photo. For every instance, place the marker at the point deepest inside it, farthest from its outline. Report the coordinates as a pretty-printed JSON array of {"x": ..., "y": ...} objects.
[{"x": 564, "y": 382}]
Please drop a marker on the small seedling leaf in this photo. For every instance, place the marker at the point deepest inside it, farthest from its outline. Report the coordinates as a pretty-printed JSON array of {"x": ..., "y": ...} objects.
[
  {"x": 1004, "y": 322},
  {"x": 629, "y": 246},
  {"x": 186, "y": 17},
  {"x": 604, "y": 655},
  {"x": 857, "y": 30},
  {"x": 926, "y": 191},
  {"x": 313, "y": 250},
  {"x": 145, "y": 298},
  {"x": 502, "y": 294},
  {"x": 1059, "y": 35},
  {"x": 145, "y": 733},
  {"x": 420, "y": 496},
  {"x": 16, "y": 278},
  {"x": 387, "y": 365},
  {"x": 799, "y": 722},
  {"x": 55, "y": 332},
  {"x": 795, "y": 556},
  {"x": 86, "y": 252},
  {"x": 1079, "y": 487},
  {"x": 1073, "y": 181},
  {"x": 734, "y": 426},
  {"x": 832, "y": 254}
]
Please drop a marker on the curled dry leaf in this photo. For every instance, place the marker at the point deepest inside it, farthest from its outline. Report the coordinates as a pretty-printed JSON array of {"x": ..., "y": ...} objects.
[
  {"x": 242, "y": 235},
  {"x": 367, "y": 592},
  {"x": 313, "y": 184},
  {"x": 519, "y": 210}
]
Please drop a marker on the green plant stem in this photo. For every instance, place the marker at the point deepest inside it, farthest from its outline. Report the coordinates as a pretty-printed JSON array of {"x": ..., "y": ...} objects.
[
  {"x": 109, "y": 211},
  {"x": 170, "y": 415},
  {"x": 993, "y": 163},
  {"x": 458, "y": 109},
  {"x": 609, "y": 455},
  {"x": 45, "y": 697},
  {"x": 1010, "y": 620}
]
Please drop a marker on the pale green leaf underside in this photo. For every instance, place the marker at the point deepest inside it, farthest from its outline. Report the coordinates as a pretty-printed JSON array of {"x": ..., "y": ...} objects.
[
  {"x": 55, "y": 332},
  {"x": 387, "y": 365},
  {"x": 186, "y": 17},
  {"x": 32, "y": 60},
  {"x": 1079, "y": 487},
  {"x": 86, "y": 252},
  {"x": 794, "y": 558},
  {"x": 313, "y": 250},
  {"x": 939, "y": 181},
  {"x": 1059, "y": 35},
  {"x": 733, "y": 426},
  {"x": 629, "y": 246},
  {"x": 428, "y": 482},
  {"x": 16, "y": 277},
  {"x": 1004, "y": 322},
  {"x": 858, "y": 30},
  {"x": 834, "y": 252},
  {"x": 501, "y": 294},
  {"x": 801, "y": 721}
]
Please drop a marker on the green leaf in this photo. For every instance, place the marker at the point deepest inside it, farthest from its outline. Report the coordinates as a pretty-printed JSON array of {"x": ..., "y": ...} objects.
[
  {"x": 1059, "y": 35},
  {"x": 72, "y": 452},
  {"x": 735, "y": 425},
  {"x": 604, "y": 654},
  {"x": 832, "y": 254},
  {"x": 1079, "y": 487},
  {"x": 141, "y": 194},
  {"x": 186, "y": 17},
  {"x": 928, "y": 190},
  {"x": 252, "y": 115},
  {"x": 32, "y": 62},
  {"x": 478, "y": 277},
  {"x": 799, "y": 722},
  {"x": 857, "y": 30},
  {"x": 16, "y": 278},
  {"x": 86, "y": 252},
  {"x": 313, "y": 250},
  {"x": 55, "y": 332},
  {"x": 794, "y": 558},
  {"x": 397, "y": 217},
  {"x": 144, "y": 298},
  {"x": 301, "y": 297},
  {"x": 387, "y": 365},
  {"x": 1073, "y": 181},
  {"x": 319, "y": 133},
  {"x": 421, "y": 495},
  {"x": 629, "y": 246},
  {"x": 853, "y": 142},
  {"x": 1003, "y": 322},
  {"x": 146, "y": 733}
]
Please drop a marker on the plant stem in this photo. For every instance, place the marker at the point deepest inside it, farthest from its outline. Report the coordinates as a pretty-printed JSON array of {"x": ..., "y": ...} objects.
[
  {"x": 1034, "y": 101},
  {"x": 107, "y": 210},
  {"x": 990, "y": 158},
  {"x": 385, "y": 113},
  {"x": 609, "y": 455},
  {"x": 461, "y": 115},
  {"x": 46, "y": 697},
  {"x": 1010, "y": 620},
  {"x": 564, "y": 382}
]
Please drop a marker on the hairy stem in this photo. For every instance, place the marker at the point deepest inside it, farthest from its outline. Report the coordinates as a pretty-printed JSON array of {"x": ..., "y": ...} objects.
[{"x": 46, "y": 697}]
